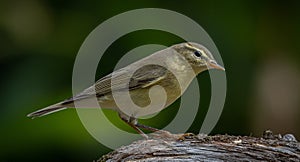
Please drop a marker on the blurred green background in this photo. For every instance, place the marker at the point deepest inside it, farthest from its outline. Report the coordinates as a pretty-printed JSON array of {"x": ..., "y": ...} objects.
[{"x": 258, "y": 41}]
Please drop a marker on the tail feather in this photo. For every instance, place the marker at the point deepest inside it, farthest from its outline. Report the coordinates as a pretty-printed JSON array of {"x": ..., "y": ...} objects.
[{"x": 48, "y": 110}]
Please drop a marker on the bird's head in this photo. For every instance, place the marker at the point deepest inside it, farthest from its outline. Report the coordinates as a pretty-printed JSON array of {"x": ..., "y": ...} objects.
[{"x": 197, "y": 56}]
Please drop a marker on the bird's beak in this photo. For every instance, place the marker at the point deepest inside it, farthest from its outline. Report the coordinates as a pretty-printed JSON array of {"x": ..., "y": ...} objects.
[{"x": 214, "y": 65}]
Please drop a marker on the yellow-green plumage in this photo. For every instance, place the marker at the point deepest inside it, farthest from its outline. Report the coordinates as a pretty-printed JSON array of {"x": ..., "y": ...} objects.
[{"x": 172, "y": 68}]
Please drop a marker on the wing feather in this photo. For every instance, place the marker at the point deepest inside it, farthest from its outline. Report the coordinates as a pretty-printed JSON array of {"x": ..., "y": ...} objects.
[{"x": 142, "y": 78}]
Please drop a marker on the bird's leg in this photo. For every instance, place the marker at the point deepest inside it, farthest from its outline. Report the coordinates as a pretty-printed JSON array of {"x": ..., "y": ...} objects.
[
  {"x": 160, "y": 132},
  {"x": 133, "y": 123},
  {"x": 146, "y": 127}
]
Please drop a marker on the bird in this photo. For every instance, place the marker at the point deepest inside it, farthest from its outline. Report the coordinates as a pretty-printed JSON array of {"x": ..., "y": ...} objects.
[{"x": 172, "y": 68}]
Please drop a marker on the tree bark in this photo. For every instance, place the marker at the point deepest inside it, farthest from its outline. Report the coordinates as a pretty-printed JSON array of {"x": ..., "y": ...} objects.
[{"x": 190, "y": 147}]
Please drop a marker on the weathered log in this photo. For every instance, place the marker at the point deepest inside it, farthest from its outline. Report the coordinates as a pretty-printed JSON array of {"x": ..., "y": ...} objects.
[{"x": 190, "y": 147}]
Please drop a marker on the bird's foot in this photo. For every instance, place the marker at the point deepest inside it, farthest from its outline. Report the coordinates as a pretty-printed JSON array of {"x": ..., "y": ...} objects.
[{"x": 186, "y": 136}]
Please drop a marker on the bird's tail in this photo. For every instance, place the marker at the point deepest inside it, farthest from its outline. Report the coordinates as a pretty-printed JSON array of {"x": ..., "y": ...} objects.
[{"x": 48, "y": 110}]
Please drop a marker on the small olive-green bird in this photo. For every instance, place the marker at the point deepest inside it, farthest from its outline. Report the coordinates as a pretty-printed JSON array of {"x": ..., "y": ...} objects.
[{"x": 172, "y": 68}]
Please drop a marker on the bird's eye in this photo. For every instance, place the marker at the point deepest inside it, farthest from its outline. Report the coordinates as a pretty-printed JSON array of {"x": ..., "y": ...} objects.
[{"x": 198, "y": 53}]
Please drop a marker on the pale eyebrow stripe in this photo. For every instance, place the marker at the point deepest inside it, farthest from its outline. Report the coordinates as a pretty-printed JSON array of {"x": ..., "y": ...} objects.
[
  {"x": 194, "y": 48},
  {"x": 191, "y": 47}
]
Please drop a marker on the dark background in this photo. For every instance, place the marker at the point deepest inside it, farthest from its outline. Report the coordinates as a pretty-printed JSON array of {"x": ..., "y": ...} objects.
[{"x": 258, "y": 41}]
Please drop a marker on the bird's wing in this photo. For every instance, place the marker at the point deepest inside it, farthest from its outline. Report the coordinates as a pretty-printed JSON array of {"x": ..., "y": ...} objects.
[{"x": 141, "y": 78}]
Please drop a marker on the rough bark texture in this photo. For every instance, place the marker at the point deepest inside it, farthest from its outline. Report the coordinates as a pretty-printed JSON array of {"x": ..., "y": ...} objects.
[{"x": 189, "y": 147}]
